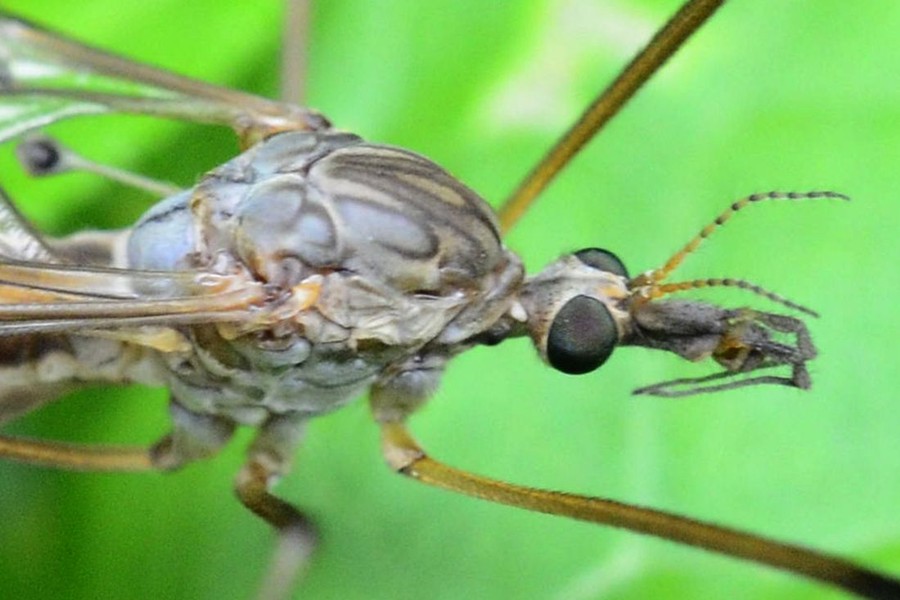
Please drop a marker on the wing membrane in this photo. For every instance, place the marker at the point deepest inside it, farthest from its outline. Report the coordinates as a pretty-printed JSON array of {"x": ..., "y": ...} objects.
[
  {"x": 18, "y": 241},
  {"x": 45, "y": 78},
  {"x": 46, "y": 297}
]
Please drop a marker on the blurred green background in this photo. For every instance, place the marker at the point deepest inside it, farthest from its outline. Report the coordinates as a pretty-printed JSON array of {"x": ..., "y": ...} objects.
[{"x": 771, "y": 95}]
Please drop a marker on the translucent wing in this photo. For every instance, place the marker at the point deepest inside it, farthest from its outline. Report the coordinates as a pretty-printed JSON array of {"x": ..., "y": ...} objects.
[
  {"x": 18, "y": 241},
  {"x": 48, "y": 297},
  {"x": 41, "y": 292},
  {"x": 45, "y": 78},
  {"x": 39, "y": 299}
]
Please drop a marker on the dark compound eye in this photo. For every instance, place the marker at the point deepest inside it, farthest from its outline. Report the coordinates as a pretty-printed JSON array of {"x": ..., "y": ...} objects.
[
  {"x": 603, "y": 260},
  {"x": 582, "y": 336}
]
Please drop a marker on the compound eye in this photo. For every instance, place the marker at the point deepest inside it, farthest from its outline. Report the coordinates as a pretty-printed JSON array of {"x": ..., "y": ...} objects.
[
  {"x": 582, "y": 336},
  {"x": 602, "y": 260}
]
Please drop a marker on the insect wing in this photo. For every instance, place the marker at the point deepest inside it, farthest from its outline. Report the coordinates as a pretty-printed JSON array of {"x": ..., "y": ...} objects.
[
  {"x": 44, "y": 297},
  {"x": 45, "y": 78},
  {"x": 18, "y": 241},
  {"x": 40, "y": 292}
]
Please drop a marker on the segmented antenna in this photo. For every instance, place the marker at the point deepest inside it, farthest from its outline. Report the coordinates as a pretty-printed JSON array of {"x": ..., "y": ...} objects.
[
  {"x": 652, "y": 281},
  {"x": 668, "y": 288}
]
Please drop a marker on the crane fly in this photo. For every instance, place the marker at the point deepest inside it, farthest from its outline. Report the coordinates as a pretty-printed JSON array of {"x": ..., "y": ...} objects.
[{"x": 316, "y": 265}]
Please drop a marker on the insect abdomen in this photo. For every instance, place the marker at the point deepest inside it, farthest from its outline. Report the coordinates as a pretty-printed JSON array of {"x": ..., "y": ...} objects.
[{"x": 36, "y": 369}]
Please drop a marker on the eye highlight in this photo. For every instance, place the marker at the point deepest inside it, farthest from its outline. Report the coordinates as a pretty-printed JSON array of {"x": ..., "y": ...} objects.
[
  {"x": 602, "y": 260},
  {"x": 582, "y": 336}
]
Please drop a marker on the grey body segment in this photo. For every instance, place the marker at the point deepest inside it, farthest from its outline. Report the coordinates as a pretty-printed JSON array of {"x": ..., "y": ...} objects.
[
  {"x": 398, "y": 248},
  {"x": 36, "y": 369},
  {"x": 375, "y": 267}
]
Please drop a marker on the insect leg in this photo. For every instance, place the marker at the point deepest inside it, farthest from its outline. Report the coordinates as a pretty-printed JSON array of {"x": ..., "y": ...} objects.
[
  {"x": 406, "y": 457},
  {"x": 664, "y": 44},
  {"x": 294, "y": 51},
  {"x": 76, "y": 457},
  {"x": 269, "y": 459},
  {"x": 193, "y": 437}
]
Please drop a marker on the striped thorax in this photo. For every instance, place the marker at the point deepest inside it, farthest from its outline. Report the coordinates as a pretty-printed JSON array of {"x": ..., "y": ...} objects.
[{"x": 406, "y": 263}]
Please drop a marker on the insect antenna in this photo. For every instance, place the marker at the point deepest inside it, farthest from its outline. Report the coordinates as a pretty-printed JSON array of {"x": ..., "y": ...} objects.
[
  {"x": 694, "y": 284},
  {"x": 41, "y": 155},
  {"x": 651, "y": 286}
]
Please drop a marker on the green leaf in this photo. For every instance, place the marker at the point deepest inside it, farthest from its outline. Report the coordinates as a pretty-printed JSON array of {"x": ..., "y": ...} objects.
[{"x": 770, "y": 95}]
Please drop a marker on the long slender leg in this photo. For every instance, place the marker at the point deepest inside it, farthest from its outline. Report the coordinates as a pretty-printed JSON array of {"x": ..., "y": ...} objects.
[
  {"x": 196, "y": 436},
  {"x": 269, "y": 459},
  {"x": 405, "y": 456},
  {"x": 294, "y": 52},
  {"x": 193, "y": 436},
  {"x": 663, "y": 45},
  {"x": 76, "y": 457}
]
